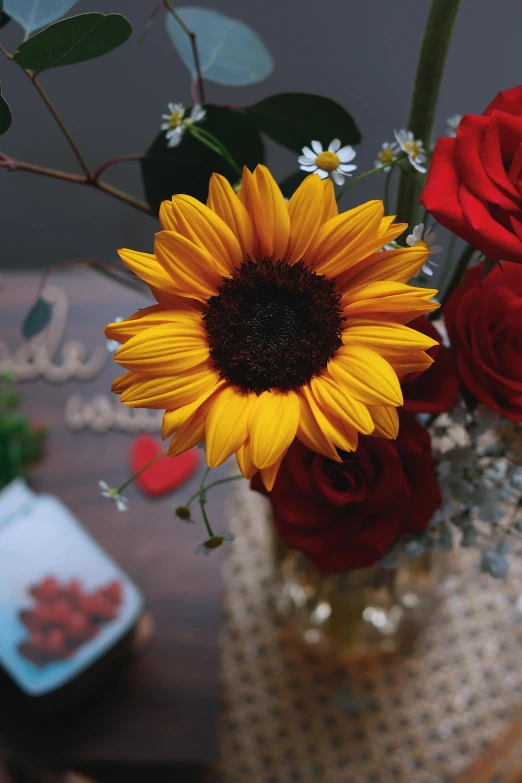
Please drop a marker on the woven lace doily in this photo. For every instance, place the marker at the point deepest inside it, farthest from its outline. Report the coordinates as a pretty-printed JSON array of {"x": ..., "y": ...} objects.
[{"x": 292, "y": 714}]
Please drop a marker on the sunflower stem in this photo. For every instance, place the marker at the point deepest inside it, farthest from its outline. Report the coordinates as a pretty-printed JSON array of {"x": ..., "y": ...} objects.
[
  {"x": 140, "y": 471},
  {"x": 430, "y": 67}
]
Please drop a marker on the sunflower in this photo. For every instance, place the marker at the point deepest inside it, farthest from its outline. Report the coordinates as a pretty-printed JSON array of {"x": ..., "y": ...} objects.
[{"x": 273, "y": 321}]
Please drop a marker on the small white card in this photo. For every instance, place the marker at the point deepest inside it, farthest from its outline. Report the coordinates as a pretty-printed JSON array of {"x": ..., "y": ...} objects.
[{"x": 63, "y": 601}]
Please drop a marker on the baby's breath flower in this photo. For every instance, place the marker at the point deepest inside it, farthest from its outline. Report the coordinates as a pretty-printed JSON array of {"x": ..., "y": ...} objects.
[
  {"x": 121, "y": 501},
  {"x": 214, "y": 542},
  {"x": 452, "y": 123},
  {"x": 414, "y": 149},
  {"x": 416, "y": 238},
  {"x": 335, "y": 161},
  {"x": 386, "y": 155}
]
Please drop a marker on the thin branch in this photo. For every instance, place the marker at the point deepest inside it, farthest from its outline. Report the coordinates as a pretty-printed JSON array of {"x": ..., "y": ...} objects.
[
  {"x": 112, "y": 162},
  {"x": 19, "y": 165},
  {"x": 195, "y": 54},
  {"x": 79, "y": 157}
]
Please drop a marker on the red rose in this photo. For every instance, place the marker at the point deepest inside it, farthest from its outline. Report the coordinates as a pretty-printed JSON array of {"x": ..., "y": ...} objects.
[
  {"x": 345, "y": 515},
  {"x": 475, "y": 180},
  {"x": 434, "y": 390},
  {"x": 484, "y": 323}
]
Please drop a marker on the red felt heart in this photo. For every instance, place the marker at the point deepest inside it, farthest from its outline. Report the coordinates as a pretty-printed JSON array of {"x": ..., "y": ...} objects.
[{"x": 167, "y": 473}]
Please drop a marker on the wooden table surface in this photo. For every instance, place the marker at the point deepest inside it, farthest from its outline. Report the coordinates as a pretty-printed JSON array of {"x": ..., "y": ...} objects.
[{"x": 164, "y": 705}]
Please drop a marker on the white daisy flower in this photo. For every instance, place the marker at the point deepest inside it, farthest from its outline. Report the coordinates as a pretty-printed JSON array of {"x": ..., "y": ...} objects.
[
  {"x": 334, "y": 161},
  {"x": 121, "y": 501},
  {"x": 452, "y": 123},
  {"x": 416, "y": 238},
  {"x": 386, "y": 155},
  {"x": 175, "y": 123},
  {"x": 414, "y": 149},
  {"x": 112, "y": 345},
  {"x": 214, "y": 542}
]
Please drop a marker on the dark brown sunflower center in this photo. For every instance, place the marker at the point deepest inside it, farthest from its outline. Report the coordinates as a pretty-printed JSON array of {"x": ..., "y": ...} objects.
[{"x": 273, "y": 325}]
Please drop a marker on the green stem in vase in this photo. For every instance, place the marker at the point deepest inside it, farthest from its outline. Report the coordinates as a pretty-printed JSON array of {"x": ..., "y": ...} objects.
[
  {"x": 430, "y": 67},
  {"x": 458, "y": 272}
]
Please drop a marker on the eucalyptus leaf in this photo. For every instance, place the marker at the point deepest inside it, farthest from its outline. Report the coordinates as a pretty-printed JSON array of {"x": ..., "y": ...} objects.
[
  {"x": 73, "y": 40},
  {"x": 6, "y": 117},
  {"x": 294, "y": 119},
  {"x": 188, "y": 167},
  {"x": 230, "y": 52},
  {"x": 37, "y": 318},
  {"x": 32, "y": 15}
]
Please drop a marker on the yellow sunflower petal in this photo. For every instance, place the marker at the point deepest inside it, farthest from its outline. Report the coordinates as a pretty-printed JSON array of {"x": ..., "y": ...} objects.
[
  {"x": 338, "y": 402},
  {"x": 177, "y": 301},
  {"x": 336, "y": 240},
  {"x": 330, "y": 208},
  {"x": 227, "y": 424},
  {"x": 360, "y": 250},
  {"x": 244, "y": 460},
  {"x": 174, "y": 419},
  {"x": 269, "y": 474},
  {"x": 386, "y": 421},
  {"x": 273, "y": 423},
  {"x": 311, "y": 434},
  {"x": 188, "y": 435},
  {"x": 225, "y": 203},
  {"x": 414, "y": 362},
  {"x": 273, "y": 222},
  {"x": 204, "y": 228},
  {"x": 365, "y": 375},
  {"x": 304, "y": 209},
  {"x": 394, "y": 301},
  {"x": 140, "y": 320},
  {"x": 386, "y": 338},
  {"x": 123, "y": 382},
  {"x": 167, "y": 348},
  {"x": 147, "y": 267},
  {"x": 162, "y": 392},
  {"x": 341, "y": 434},
  {"x": 398, "y": 265},
  {"x": 192, "y": 269},
  {"x": 166, "y": 217}
]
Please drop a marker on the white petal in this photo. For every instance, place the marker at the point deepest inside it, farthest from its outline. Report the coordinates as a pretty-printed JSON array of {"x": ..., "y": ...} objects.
[
  {"x": 337, "y": 177},
  {"x": 308, "y": 152},
  {"x": 176, "y": 137},
  {"x": 317, "y": 147},
  {"x": 346, "y": 167},
  {"x": 227, "y": 536},
  {"x": 410, "y": 240},
  {"x": 427, "y": 271},
  {"x": 346, "y": 154},
  {"x": 307, "y": 160},
  {"x": 103, "y": 485},
  {"x": 198, "y": 113},
  {"x": 322, "y": 173},
  {"x": 434, "y": 249},
  {"x": 308, "y": 168},
  {"x": 165, "y": 126},
  {"x": 334, "y": 145},
  {"x": 417, "y": 165}
]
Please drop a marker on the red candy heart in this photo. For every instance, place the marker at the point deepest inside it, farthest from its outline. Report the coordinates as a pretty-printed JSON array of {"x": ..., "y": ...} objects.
[{"x": 167, "y": 473}]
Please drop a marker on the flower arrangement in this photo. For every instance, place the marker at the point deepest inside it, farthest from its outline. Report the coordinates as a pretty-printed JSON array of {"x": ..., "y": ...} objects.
[{"x": 377, "y": 414}]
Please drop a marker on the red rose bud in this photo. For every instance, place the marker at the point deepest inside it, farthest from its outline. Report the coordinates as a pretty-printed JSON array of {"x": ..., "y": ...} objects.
[
  {"x": 346, "y": 515},
  {"x": 473, "y": 185},
  {"x": 484, "y": 323}
]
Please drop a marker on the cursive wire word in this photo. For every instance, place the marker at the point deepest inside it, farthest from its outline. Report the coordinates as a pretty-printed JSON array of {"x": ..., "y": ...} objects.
[{"x": 102, "y": 413}]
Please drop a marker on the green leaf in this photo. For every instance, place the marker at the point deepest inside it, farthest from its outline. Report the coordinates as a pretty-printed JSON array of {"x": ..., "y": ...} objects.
[
  {"x": 294, "y": 119},
  {"x": 6, "y": 117},
  {"x": 73, "y": 40},
  {"x": 230, "y": 52},
  {"x": 489, "y": 266},
  {"x": 187, "y": 168},
  {"x": 37, "y": 318}
]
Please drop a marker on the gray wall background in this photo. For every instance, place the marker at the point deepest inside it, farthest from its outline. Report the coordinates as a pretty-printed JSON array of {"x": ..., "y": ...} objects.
[{"x": 362, "y": 54}]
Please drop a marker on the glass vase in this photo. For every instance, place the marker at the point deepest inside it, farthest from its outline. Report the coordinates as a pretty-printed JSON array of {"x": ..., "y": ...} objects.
[{"x": 362, "y": 612}]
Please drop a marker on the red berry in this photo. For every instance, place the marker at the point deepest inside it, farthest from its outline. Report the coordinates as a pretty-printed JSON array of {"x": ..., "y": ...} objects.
[
  {"x": 73, "y": 592},
  {"x": 79, "y": 630},
  {"x": 41, "y": 616},
  {"x": 113, "y": 593},
  {"x": 59, "y": 612},
  {"x": 55, "y": 641},
  {"x": 98, "y": 609},
  {"x": 46, "y": 590}
]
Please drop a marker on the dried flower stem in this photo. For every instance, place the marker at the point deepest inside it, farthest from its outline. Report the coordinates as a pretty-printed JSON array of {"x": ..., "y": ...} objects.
[{"x": 195, "y": 53}]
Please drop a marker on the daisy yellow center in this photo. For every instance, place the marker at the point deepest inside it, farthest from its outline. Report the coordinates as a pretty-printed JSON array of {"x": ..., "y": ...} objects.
[
  {"x": 422, "y": 243},
  {"x": 328, "y": 161},
  {"x": 213, "y": 543},
  {"x": 273, "y": 325},
  {"x": 175, "y": 119},
  {"x": 412, "y": 148},
  {"x": 386, "y": 156}
]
